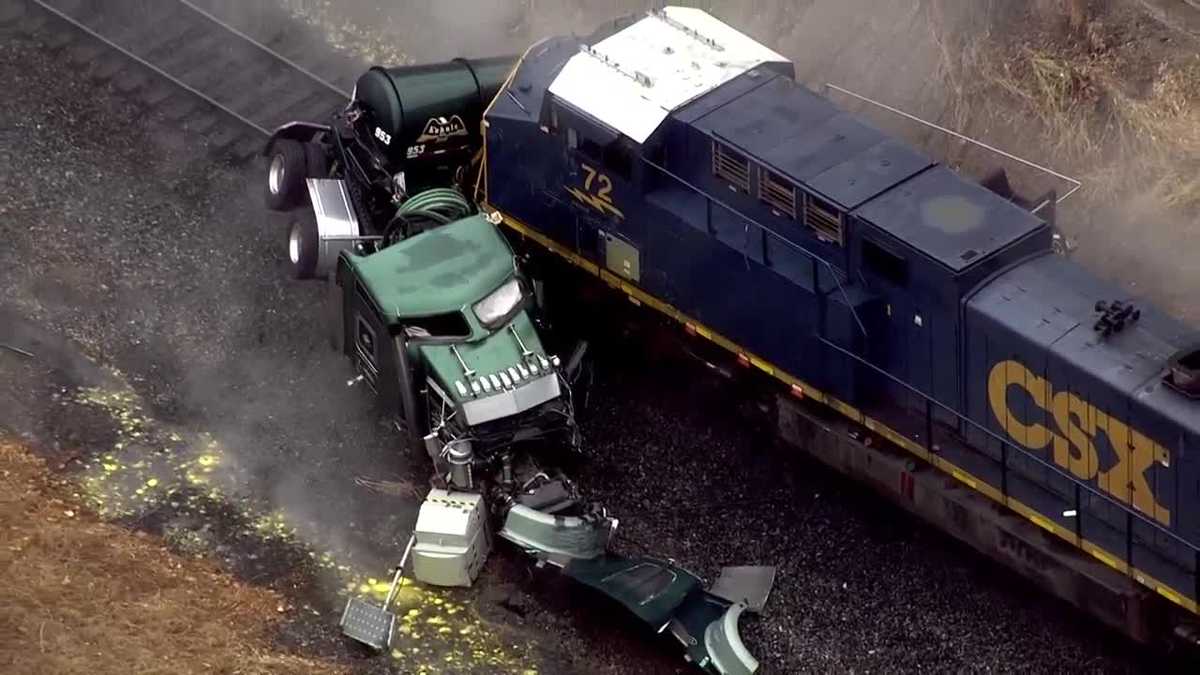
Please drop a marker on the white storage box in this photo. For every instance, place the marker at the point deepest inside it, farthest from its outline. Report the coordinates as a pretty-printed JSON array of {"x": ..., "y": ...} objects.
[{"x": 453, "y": 540}]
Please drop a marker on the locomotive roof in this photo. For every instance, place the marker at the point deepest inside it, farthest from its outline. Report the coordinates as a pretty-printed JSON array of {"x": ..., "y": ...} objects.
[
  {"x": 634, "y": 78},
  {"x": 684, "y": 64},
  {"x": 807, "y": 139},
  {"x": 954, "y": 221},
  {"x": 813, "y": 143},
  {"x": 1050, "y": 301}
]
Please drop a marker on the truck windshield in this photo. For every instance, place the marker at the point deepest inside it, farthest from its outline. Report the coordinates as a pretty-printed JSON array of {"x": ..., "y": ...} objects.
[{"x": 448, "y": 325}]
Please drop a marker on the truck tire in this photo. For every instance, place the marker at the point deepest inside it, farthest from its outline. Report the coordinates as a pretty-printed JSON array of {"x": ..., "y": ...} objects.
[
  {"x": 303, "y": 241},
  {"x": 286, "y": 172}
]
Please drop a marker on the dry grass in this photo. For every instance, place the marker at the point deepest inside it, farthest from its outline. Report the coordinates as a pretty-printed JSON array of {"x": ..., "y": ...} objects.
[
  {"x": 81, "y": 596},
  {"x": 1114, "y": 103},
  {"x": 1122, "y": 143},
  {"x": 1124, "y": 140}
]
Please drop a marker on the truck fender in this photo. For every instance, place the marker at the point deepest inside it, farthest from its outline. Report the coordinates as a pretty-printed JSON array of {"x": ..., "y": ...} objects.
[
  {"x": 304, "y": 132},
  {"x": 414, "y": 423},
  {"x": 724, "y": 644}
]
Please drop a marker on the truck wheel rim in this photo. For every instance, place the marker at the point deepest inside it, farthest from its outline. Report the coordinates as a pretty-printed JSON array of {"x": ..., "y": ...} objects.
[
  {"x": 275, "y": 174},
  {"x": 294, "y": 245}
]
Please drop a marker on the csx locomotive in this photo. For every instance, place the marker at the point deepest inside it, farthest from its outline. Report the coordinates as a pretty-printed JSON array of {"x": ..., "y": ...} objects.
[{"x": 681, "y": 162}]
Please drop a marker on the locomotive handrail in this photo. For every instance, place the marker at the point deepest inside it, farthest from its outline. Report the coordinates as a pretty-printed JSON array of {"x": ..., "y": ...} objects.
[
  {"x": 833, "y": 271},
  {"x": 1076, "y": 184},
  {"x": 1130, "y": 512}
]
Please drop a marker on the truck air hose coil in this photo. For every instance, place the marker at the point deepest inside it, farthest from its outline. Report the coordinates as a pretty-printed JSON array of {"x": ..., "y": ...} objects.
[{"x": 430, "y": 208}]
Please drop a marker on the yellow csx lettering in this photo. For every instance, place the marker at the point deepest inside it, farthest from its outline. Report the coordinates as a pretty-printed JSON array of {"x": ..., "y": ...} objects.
[
  {"x": 1077, "y": 424},
  {"x": 596, "y": 192}
]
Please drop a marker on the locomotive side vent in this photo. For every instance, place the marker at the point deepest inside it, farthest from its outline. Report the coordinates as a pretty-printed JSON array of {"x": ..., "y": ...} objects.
[
  {"x": 824, "y": 219},
  {"x": 777, "y": 193},
  {"x": 1183, "y": 372},
  {"x": 732, "y": 167}
]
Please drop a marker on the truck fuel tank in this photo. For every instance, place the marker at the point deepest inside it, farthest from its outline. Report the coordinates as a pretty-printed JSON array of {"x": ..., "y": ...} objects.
[{"x": 428, "y": 110}]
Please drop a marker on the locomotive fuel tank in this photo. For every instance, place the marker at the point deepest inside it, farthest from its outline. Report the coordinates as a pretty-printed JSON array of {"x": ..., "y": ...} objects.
[{"x": 414, "y": 112}]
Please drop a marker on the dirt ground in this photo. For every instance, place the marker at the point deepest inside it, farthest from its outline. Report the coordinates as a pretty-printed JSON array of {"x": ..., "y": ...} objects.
[
  {"x": 85, "y": 596},
  {"x": 189, "y": 361}
]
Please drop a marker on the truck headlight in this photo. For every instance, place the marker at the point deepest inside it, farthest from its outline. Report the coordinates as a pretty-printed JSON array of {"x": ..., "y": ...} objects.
[{"x": 499, "y": 303}]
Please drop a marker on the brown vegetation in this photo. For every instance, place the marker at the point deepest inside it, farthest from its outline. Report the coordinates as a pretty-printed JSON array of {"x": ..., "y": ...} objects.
[
  {"x": 81, "y": 596},
  {"x": 1102, "y": 92}
]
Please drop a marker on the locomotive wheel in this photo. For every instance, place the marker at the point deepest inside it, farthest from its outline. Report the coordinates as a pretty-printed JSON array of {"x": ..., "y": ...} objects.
[
  {"x": 285, "y": 175},
  {"x": 303, "y": 241}
]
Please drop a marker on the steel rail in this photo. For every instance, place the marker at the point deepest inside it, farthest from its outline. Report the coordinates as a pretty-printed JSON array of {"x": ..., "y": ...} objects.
[
  {"x": 143, "y": 62},
  {"x": 314, "y": 77}
]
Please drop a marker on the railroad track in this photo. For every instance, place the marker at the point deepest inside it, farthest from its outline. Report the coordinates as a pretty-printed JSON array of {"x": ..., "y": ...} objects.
[{"x": 176, "y": 58}]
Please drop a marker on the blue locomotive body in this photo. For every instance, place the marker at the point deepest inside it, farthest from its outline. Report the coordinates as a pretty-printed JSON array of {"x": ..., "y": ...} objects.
[{"x": 684, "y": 164}]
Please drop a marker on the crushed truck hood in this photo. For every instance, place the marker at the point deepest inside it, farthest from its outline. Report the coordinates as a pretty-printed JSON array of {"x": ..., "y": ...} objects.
[
  {"x": 442, "y": 270},
  {"x": 498, "y": 358}
]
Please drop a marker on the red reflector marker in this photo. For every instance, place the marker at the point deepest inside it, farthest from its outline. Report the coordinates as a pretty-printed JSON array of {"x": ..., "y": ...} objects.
[{"x": 797, "y": 391}]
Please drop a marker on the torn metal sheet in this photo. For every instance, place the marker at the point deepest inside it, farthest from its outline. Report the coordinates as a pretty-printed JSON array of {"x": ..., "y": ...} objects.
[
  {"x": 747, "y": 584},
  {"x": 652, "y": 589},
  {"x": 724, "y": 644},
  {"x": 557, "y": 537},
  {"x": 690, "y": 621}
]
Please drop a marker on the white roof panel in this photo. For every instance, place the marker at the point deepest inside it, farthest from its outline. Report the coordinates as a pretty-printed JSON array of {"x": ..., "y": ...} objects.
[{"x": 633, "y": 79}]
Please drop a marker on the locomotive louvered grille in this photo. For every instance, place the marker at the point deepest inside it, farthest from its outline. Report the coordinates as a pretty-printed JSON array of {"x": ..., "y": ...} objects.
[
  {"x": 777, "y": 193},
  {"x": 731, "y": 167},
  {"x": 824, "y": 219}
]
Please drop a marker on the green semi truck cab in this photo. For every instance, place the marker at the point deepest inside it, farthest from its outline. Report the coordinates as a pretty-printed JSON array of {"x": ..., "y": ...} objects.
[
  {"x": 438, "y": 325},
  {"x": 431, "y": 308}
]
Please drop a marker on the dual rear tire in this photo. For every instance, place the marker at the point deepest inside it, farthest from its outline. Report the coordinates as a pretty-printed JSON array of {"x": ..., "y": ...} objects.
[
  {"x": 291, "y": 164},
  {"x": 303, "y": 242},
  {"x": 286, "y": 174}
]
